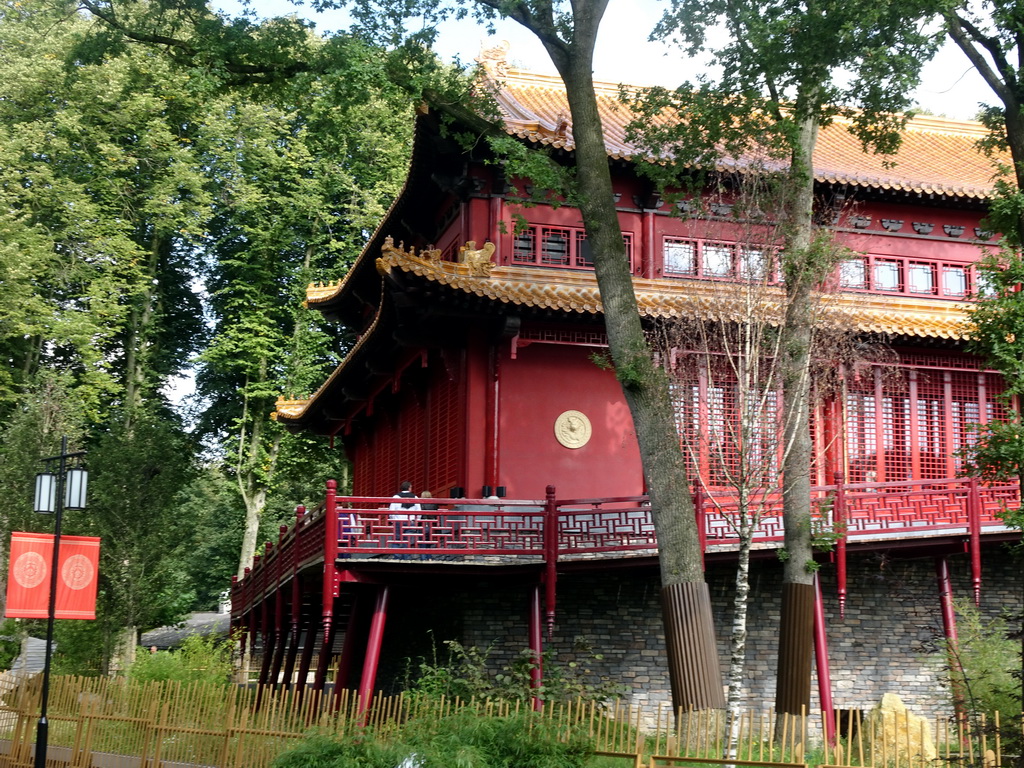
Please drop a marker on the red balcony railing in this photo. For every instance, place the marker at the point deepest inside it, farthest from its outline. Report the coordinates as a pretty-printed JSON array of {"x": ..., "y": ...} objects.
[{"x": 551, "y": 530}]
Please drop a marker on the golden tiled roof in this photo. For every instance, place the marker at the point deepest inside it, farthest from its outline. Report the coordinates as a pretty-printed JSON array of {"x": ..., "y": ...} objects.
[
  {"x": 937, "y": 156},
  {"x": 576, "y": 291}
]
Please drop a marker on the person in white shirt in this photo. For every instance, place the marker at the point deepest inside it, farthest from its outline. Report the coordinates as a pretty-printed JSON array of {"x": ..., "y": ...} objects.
[{"x": 401, "y": 515}]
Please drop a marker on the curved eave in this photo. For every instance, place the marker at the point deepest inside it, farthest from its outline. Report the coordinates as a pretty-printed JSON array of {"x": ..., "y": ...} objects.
[
  {"x": 298, "y": 413},
  {"x": 577, "y": 292}
]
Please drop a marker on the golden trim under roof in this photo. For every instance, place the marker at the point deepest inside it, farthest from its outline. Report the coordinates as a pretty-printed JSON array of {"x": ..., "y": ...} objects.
[{"x": 576, "y": 291}]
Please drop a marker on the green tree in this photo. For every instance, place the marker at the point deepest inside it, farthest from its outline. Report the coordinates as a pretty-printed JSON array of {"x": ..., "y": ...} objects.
[
  {"x": 787, "y": 69},
  {"x": 137, "y": 474},
  {"x": 569, "y": 36},
  {"x": 320, "y": 161},
  {"x": 989, "y": 34},
  {"x": 102, "y": 199}
]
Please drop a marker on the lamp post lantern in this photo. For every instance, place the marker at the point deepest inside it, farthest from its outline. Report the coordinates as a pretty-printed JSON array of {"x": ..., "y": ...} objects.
[{"x": 62, "y": 486}]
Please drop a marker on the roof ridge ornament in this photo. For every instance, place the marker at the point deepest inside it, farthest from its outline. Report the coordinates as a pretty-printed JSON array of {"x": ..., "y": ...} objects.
[
  {"x": 494, "y": 59},
  {"x": 477, "y": 259}
]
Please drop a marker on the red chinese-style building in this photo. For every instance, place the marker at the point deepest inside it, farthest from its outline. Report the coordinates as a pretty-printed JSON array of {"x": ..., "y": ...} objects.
[{"x": 474, "y": 378}]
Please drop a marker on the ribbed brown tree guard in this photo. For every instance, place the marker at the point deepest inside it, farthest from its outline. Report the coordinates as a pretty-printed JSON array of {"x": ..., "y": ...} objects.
[
  {"x": 693, "y": 663},
  {"x": 796, "y": 648}
]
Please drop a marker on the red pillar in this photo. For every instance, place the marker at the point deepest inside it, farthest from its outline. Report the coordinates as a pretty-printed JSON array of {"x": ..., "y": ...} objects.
[
  {"x": 324, "y": 660},
  {"x": 550, "y": 556},
  {"x": 949, "y": 625},
  {"x": 373, "y": 643},
  {"x": 824, "y": 672},
  {"x": 974, "y": 524},
  {"x": 279, "y": 633},
  {"x": 348, "y": 651},
  {"x": 536, "y": 645},
  {"x": 839, "y": 518},
  {"x": 296, "y": 604},
  {"x": 307, "y": 655}
]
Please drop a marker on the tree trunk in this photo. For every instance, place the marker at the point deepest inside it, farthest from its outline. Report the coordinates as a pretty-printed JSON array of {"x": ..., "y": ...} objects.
[
  {"x": 802, "y": 274},
  {"x": 738, "y": 641},
  {"x": 696, "y": 680}
]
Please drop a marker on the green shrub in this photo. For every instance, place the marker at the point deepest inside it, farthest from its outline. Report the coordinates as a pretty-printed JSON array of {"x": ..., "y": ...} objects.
[
  {"x": 463, "y": 740},
  {"x": 199, "y": 659},
  {"x": 470, "y": 740},
  {"x": 359, "y": 751},
  {"x": 466, "y": 674},
  {"x": 985, "y": 669}
]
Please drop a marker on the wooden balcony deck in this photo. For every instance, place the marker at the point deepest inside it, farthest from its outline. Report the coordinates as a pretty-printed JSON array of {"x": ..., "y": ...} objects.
[{"x": 545, "y": 532}]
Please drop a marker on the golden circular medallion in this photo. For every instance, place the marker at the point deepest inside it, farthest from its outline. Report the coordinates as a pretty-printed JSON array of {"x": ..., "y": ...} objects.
[{"x": 572, "y": 429}]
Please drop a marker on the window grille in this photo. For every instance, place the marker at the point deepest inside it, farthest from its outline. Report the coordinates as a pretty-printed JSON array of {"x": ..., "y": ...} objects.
[{"x": 558, "y": 247}]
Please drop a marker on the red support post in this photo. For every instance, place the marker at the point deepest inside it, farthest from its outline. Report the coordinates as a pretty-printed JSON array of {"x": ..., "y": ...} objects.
[
  {"x": 550, "y": 556},
  {"x": 307, "y": 656},
  {"x": 839, "y": 520},
  {"x": 536, "y": 646},
  {"x": 330, "y": 582},
  {"x": 296, "y": 601},
  {"x": 698, "y": 513},
  {"x": 949, "y": 628},
  {"x": 824, "y": 672},
  {"x": 279, "y": 633},
  {"x": 974, "y": 523},
  {"x": 323, "y": 662},
  {"x": 348, "y": 651},
  {"x": 373, "y": 643}
]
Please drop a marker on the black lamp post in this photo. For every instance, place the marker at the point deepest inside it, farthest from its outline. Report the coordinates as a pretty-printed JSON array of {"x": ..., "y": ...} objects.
[{"x": 62, "y": 486}]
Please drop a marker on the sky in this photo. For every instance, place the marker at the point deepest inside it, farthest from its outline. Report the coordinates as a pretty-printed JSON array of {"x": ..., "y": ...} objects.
[{"x": 950, "y": 86}]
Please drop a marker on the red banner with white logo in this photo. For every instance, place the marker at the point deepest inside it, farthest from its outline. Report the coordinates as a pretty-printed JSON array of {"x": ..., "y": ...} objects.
[{"x": 28, "y": 576}]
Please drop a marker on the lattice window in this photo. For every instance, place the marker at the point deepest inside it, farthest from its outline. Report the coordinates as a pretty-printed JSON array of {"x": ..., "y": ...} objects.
[
  {"x": 444, "y": 438},
  {"x": 412, "y": 431},
  {"x": 680, "y": 256},
  {"x": 719, "y": 448},
  {"x": 910, "y": 425},
  {"x": 554, "y": 247},
  {"x": 558, "y": 247},
  {"x": 954, "y": 280},
  {"x": 921, "y": 278},
  {"x": 524, "y": 248}
]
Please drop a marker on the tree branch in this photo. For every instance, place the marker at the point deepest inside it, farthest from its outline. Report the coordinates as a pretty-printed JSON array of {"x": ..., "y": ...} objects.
[{"x": 968, "y": 37}]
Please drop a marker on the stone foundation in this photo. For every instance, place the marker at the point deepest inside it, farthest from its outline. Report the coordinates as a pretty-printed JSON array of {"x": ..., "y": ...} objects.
[{"x": 889, "y": 642}]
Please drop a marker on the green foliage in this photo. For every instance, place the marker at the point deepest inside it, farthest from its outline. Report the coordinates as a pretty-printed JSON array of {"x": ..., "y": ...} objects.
[
  {"x": 470, "y": 740},
  {"x": 199, "y": 659},
  {"x": 80, "y": 647},
  {"x": 466, "y": 674},
  {"x": 350, "y": 751},
  {"x": 984, "y": 664},
  {"x": 996, "y": 328},
  {"x": 136, "y": 475},
  {"x": 996, "y": 319},
  {"x": 10, "y": 642},
  {"x": 467, "y": 739}
]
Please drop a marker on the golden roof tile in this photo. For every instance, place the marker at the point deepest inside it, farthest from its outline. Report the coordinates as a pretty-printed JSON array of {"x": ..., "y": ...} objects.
[
  {"x": 937, "y": 155},
  {"x": 577, "y": 291}
]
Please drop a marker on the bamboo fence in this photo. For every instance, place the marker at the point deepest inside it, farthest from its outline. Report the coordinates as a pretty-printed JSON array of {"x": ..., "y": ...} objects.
[{"x": 115, "y": 723}]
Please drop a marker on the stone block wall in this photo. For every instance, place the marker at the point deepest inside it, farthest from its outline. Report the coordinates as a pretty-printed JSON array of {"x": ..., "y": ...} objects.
[{"x": 889, "y": 641}]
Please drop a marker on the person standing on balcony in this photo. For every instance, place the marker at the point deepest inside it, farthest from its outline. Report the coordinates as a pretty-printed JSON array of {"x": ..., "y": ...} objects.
[{"x": 402, "y": 515}]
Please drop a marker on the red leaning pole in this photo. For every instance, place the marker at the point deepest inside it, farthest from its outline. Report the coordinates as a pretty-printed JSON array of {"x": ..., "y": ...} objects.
[
  {"x": 824, "y": 672},
  {"x": 373, "y": 643}
]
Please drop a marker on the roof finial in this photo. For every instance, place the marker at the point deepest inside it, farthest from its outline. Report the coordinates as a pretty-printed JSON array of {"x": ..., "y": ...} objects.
[{"x": 494, "y": 59}]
